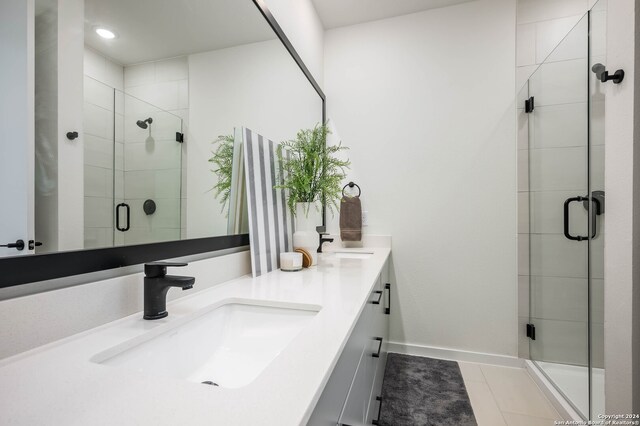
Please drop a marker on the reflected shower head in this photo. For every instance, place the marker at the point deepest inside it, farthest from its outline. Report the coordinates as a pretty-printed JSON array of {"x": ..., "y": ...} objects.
[
  {"x": 143, "y": 124},
  {"x": 598, "y": 69}
]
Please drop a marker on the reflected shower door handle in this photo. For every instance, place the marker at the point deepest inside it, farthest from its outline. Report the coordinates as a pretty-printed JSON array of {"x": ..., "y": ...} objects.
[
  {"x": 594, "y": 216},
  {"x": 567, "y": 203},
  {"x": 128, "y": 211}
]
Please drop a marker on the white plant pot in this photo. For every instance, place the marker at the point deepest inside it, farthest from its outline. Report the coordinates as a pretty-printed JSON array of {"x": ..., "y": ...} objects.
[{"x": 308, "y": 216}]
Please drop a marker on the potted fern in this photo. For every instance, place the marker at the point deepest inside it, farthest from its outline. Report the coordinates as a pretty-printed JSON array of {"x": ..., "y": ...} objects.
[{"x": 312, "y": 173}]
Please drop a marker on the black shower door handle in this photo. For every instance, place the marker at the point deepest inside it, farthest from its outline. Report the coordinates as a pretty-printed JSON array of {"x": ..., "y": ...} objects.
[
  {"x": 567, "y": 203},
  {"x": 594, "y": 217},
  {"x": 128, "y": 210}
]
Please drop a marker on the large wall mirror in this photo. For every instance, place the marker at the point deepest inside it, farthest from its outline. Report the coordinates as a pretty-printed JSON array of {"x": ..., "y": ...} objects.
[{"x": 138, "y": 107}]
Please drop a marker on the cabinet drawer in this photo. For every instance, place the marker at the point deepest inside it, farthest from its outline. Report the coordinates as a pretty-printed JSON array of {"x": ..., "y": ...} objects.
[
  {"x": 356, "y": 404},
  {"x": 373, "y": 411},
  {"x": 332, "y": 401},
  {"x": 356, "y": 407}
]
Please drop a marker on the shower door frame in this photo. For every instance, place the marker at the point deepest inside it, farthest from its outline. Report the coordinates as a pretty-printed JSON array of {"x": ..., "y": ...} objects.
[
  {"x": 591, "y": 216},
  {"x": 125, "y": 200}
]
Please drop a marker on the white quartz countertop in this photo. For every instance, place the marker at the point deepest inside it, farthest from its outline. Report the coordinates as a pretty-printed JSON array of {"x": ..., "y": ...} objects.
[{"x": 58, "y": 384}]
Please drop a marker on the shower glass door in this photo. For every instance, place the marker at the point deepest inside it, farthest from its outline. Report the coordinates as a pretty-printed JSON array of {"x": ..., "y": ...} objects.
[
  {"x": 148, "y": 173},
  {"x": 560, "y": 230}
]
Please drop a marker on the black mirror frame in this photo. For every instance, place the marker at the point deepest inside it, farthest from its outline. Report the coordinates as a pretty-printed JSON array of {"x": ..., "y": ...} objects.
[{"x": 27, "y": 269}]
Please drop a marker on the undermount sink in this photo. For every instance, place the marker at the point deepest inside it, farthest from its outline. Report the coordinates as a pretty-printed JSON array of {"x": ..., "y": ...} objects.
[
  {"x": 353, "y": 254},
  {"x": 228, "y": 346}
]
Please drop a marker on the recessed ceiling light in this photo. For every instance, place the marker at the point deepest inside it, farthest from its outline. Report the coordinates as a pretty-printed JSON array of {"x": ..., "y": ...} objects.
[{"x": 105, "y": 33}]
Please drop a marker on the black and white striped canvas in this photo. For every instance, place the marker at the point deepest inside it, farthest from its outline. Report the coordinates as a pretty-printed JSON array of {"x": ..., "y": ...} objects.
[{"x": 270, "y": 221}]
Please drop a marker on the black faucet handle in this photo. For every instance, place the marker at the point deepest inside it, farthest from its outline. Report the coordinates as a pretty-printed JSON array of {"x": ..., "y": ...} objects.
[{"x": 159, "y": 269}]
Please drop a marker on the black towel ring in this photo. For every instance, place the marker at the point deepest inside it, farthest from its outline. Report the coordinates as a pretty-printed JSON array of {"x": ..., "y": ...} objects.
[{"x": 351, "y": 185}]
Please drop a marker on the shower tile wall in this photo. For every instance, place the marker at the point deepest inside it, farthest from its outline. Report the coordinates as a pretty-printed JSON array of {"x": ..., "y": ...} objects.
[
  {"x": 555, "y": 138},
  {"x": 101, "y": 76},
  {"x": 155, "y": 173},
  {"x": 541, "y": 26}
]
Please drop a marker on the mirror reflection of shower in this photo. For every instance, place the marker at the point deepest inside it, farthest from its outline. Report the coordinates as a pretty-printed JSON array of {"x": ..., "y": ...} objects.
[
  {"x": 150, "y": 141},
  {"x": 143, "y": 124},
  {"x": 598, "y": 69}
]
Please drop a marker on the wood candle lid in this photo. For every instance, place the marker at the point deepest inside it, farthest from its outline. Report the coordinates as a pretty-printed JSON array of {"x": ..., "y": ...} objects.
[{"x": 306, "y": 257}]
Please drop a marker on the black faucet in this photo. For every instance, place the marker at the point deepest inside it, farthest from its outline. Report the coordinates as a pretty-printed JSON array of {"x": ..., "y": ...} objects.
[
  {"x": 321, "y": 233},
  {"x": 156, "y": 285}
]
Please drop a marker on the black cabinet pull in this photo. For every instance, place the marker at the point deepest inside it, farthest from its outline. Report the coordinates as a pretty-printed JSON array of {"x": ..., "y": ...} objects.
[
  {"x": 377, "y": 354},
  {"x": 18, "y": 245},
  {"x": 379, "y": 293},
  {"x": 387, "y": 287},
  {"x": 567, "y": 203},
  {"x": 375, "y": 421},
  {"x": 128, "y": 211}
]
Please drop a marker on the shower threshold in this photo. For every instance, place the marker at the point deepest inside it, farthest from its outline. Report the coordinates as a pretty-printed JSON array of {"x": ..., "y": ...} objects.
[{"x": 572, "y": 381}]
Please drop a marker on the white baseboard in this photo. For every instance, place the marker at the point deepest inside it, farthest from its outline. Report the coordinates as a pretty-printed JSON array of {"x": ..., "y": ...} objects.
[
  {"x": 557, "y": 400},
  {"x": 456, "y": 355}
]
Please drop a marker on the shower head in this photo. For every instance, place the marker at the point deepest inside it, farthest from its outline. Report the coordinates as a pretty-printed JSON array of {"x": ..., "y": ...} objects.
[
  {"x": 143, "y": 124},
  {"x": 598, "y": 69}
]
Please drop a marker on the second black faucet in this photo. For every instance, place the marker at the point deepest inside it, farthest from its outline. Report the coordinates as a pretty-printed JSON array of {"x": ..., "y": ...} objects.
[{"x": 322, "y": 231}]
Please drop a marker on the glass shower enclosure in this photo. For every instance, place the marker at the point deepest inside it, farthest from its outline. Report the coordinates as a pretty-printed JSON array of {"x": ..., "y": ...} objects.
[
  {"x": 148, "y": 175},
  {"x": 133, "y": 169},
  {"x": 563, "y": 102}
]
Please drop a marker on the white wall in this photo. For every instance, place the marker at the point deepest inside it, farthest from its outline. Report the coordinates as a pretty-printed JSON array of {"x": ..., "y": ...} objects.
[
  {"x": 70, "y": 101},
  {"x": 301, "y": 24},
  {"x": 426, "y": 104},
  {"x": 622, "y": 186},
  {"x": 58, "y": 109}
]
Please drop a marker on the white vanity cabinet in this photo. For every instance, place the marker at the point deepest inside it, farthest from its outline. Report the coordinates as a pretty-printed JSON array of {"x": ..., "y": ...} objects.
[{"x": 351, "y": 396}]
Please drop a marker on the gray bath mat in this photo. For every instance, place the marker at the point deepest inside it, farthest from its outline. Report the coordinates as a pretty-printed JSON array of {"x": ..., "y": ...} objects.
[{"x": 420, "y": 391}]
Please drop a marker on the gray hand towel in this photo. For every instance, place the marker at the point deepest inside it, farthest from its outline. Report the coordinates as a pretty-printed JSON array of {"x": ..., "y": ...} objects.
[{"x": 350, "y": 219}]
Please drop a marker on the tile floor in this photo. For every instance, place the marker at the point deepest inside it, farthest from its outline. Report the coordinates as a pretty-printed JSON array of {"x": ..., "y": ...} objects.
[{"x": 504, "y": 396}]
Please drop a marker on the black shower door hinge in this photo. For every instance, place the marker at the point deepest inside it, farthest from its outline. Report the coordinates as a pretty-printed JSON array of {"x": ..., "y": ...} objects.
[
  {"x": 528, "y": 105},
  {"x": 531, "y": 331},
  {"x": 179, "y": 137}
]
